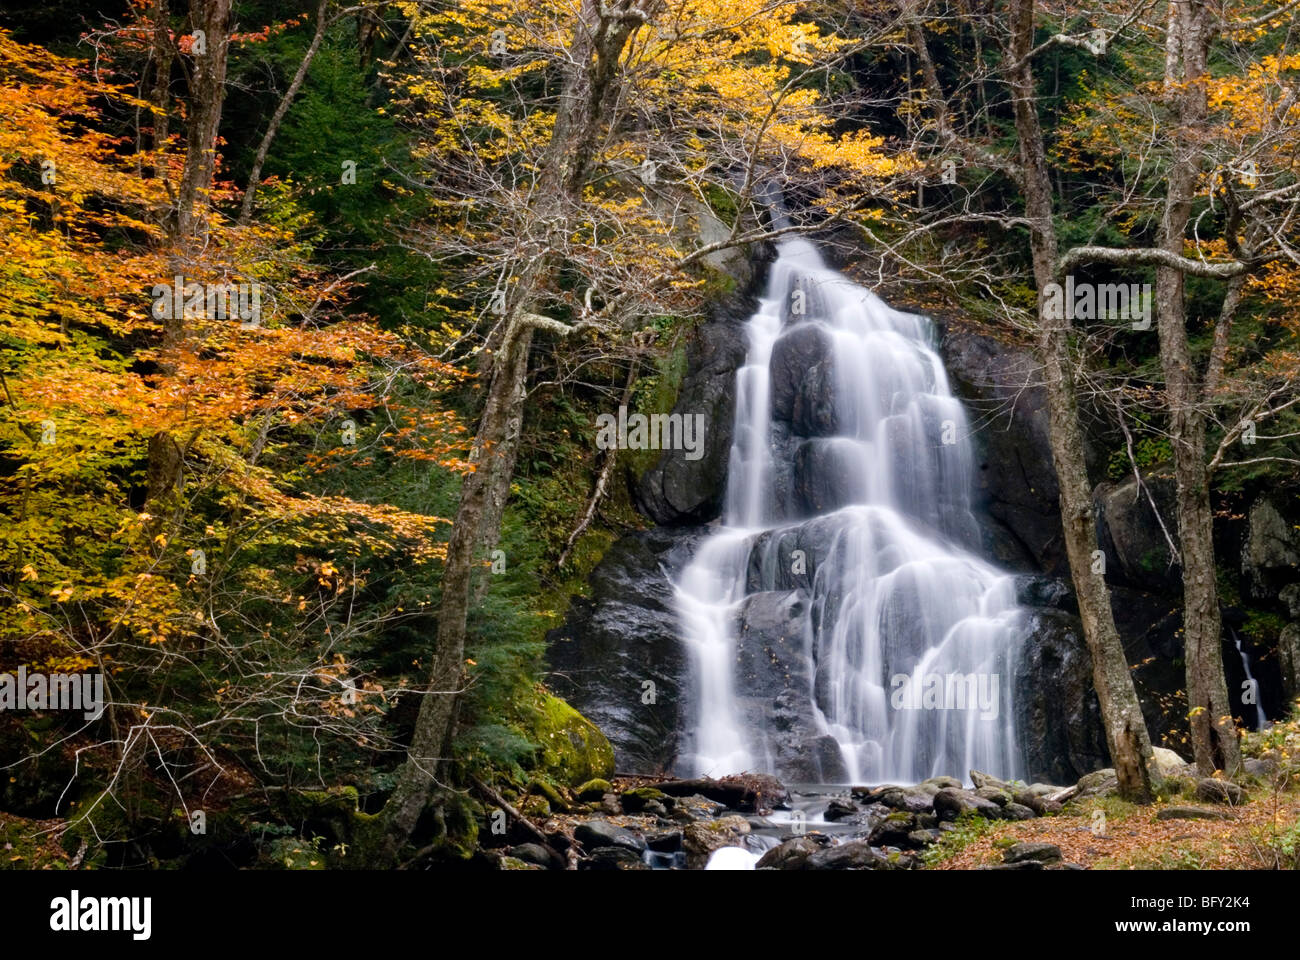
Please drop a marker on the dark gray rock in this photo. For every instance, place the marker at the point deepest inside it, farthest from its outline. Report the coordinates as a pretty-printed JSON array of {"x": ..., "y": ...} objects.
[
  {"x": 1017, "y": 811},
  {"x": 625, "y": 636},
  {"x": 1032, "y": 850},
  {"x": 950, "y": 804},
  {"x": 774, "y": 688},
  {"x": 1033, "y": 590},
  {"x": 593, "y": 834},
  {"x": 802, "y": 381},
  {"x": 1058, "y": 718},
  {"x": 613, "y": 858},
  {"x": 1129, "y": 532},
  {"x": 538, "y": 854},
  {"x": 1099, "y": 783},
  {"x": 909, "y": 800},
  {"x": 1013, "y": 470},
  {"x": 792, "y": 854},
  {"x": 839, "y": 809},
  {"x": 1219, "y": 791},
  {"x": 894, "y": 830},
  {"x": 677, "y": 491},
  {"x": 853, "y": 855}
]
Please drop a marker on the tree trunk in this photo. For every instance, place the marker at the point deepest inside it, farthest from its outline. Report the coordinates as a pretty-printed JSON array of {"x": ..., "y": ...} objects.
[
  {"x": 1126, "y": 732},
  {"x": 193, "y": 200},
  {"x": 586, "y": 101},
  {"x": 207, "y": 97},
  {"x": 435, "y": 725},
  {"x": 1214, "y": 734}
]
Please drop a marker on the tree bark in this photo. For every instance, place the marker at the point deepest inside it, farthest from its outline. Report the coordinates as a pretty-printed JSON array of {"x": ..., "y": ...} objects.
[
  {"x": 587, "y": 101},
  {"x": 1214, "y": 734},
  {"x": 193, "y": 201},
  {"x": 435, "y": 726},
  {"x": 207, "y": 97},
  {"x": 1126, "y": 732}
]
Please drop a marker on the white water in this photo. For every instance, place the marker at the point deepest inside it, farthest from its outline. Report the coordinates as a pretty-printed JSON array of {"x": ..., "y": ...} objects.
[
  {"x": 1261, "y": 721},
  {"x": 891, "y": 590}
]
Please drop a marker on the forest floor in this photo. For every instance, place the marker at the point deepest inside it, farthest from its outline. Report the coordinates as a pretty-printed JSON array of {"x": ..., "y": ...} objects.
[{"x": 1112, "y": 834}]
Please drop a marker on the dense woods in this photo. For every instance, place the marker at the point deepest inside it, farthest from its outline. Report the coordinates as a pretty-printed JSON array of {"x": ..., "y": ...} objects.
[{"x": 310, "y": 311}]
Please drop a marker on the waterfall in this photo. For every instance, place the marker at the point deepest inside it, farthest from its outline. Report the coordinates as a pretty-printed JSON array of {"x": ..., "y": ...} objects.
[
  {"x": 840, "y": 624},
  {"x": 1261, "y": 720}
]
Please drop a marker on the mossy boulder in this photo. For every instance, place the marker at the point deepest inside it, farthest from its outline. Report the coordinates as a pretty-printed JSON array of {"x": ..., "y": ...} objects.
[
  {"x": 571, "y": 749},
  {"x": 638, "y": 798},
  {"x": 593, "y": 791}
]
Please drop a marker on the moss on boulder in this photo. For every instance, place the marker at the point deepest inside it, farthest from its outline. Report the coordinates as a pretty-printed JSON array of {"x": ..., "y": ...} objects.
[{"x": 571, "y": 749}]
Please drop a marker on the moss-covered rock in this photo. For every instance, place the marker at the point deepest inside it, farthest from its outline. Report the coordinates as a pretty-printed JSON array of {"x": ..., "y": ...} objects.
[
  {"x": 571, "y": 749},
  {"x": 535, "y": 807},
  {"x": 638, "y": 798},
  {"x": 593, "y": 791}
]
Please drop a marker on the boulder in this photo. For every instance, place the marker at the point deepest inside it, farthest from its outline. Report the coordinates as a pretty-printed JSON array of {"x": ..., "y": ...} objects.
[
  {"x": 593, "y": 790},
  {"x": 701, "y": 838},
  {"x": 839, "y": 809},
  {"x": 1032, "y": 850},
  {"x": 950, "y": 804},
  {"x": 1017, "y": 811},
  {"x": 853, "y": 855},
  {"x": 914, "y": 800},
  {"x": 613, "y": 858},
  {"x": 894, "y": 830},
  {"x": 1211, "y": 790},
  {"x": 1169, "y": 763},
  {"x": 638, "y": 799},
  {"x": 1099, "y": 783},
  {"x": 571, "y": 749},
  {"x": 593, "y": 834},
  {"x": 793, "y": 854},
  {"x": 537, "y": 854}
]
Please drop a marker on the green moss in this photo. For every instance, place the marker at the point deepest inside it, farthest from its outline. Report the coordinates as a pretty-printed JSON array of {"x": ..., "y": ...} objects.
[
  {"x": 594, "y": 790},
  {"x": 514, "y": 863},
  {"x": 571, "y": 749}
]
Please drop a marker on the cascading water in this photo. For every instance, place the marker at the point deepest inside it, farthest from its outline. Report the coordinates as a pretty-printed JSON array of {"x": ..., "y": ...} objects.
[
  {"x": 892, "y": 645},
  {"x": 1261, "y": 719}
]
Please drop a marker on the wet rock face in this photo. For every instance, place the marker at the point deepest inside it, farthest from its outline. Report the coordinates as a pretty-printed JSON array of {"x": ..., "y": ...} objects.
[
  {"x": 678, "y": 491},
  {"x": 1014, "y": 473},
  {"x": 1130, "y": 534},
  {"x": 1271, "y": 552},
  {"x": 622, "y": 638},
  {"x": 803, "y": 388},
  {"x": 1058, "y": 716},
  {"x": 774, "y": 677}
]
